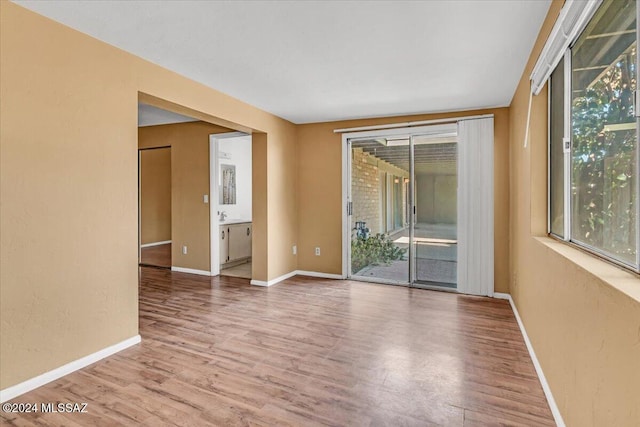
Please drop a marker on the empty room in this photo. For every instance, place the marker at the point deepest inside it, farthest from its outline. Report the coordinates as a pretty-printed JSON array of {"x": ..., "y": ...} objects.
[{"x": 331, "y": 213}]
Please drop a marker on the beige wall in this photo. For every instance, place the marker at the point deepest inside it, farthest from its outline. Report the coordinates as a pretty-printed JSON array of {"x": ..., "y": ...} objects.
[
  {"x": 259, "y": 238},
  {"x": 75, "y": 174},
  {"x": 320, "y": 191},
  {"x": 190, "y": 224},
  {"x": 281, "y": 187},
  {"x": 437, "y": 198},
  {"x": 585, "y": 331},
  {"x": 155, "y": 195}
]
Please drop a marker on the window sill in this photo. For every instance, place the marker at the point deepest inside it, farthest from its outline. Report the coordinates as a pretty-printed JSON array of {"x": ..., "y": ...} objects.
[{"x": 616, "y": 277}]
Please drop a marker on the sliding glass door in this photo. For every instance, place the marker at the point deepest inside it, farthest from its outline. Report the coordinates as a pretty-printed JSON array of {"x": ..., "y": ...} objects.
[
  {"x": 402, "y": 208},
  {"x": 379, "y": 219},
  {"x": 435, "y": 227}
]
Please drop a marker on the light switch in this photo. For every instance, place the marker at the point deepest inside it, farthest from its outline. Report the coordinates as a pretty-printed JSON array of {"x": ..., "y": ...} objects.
[{"x": 206, "y": 198}]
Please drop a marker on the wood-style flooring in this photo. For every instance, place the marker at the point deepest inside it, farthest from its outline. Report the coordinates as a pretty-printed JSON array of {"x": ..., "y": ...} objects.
[
  {"x": 306, "y": 352},
  {"x": 157, "y": 256}
]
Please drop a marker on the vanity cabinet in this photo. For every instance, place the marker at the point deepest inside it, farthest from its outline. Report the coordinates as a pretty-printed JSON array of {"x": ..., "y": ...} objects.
[
  {"x": 235, "y": 242},
  {"x": 239, "y": 241},
  {"x": 224, "y": 243}
]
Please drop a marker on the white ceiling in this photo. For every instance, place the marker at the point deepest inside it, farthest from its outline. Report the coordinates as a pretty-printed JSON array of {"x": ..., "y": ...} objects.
[
  {"x": 151, "y": 116},
  {"x": 310, "y": 61}
]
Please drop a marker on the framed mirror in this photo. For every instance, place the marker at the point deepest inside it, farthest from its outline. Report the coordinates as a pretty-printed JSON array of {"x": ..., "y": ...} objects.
[{"x": 228, "y": 183}]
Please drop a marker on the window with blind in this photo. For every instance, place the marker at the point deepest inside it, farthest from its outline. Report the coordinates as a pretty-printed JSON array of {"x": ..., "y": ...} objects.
[{"x": 593, "y": 137}]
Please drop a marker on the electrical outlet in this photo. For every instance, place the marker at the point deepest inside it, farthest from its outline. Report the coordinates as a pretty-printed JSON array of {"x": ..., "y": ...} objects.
[
  {"x": 184, "y": 250},
  {"x": 295, "y": 249},
  {"x": 317, "y": 251}
]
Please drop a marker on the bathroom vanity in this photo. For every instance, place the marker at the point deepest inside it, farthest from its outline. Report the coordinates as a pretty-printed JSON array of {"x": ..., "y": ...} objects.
[{"x": 235, "y": 242}]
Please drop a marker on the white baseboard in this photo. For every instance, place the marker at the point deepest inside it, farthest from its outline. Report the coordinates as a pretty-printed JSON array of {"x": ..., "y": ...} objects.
[
  {"x": 318, "y": 274},
  {"x": 500, "y": 295},
  {"x": 296, "y": 273},
  {"x": 543, "y": 381},
  {"x": 191, "y": 271},
  {"x": 33, "y": 383},
  {"x": 273, "y": 281},
  {"x": 255, "y": 282},
  {"x": 146, "y": 245}
]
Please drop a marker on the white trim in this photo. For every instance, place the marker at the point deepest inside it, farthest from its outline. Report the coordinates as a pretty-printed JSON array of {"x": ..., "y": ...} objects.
[
  {"x": 410, "y": 124},
  {"x": 450, "y": 127},
  {"x": 139, "y": 207},
  {"x": 318, "y": 274},
  {"x": 346, "y": 218},
  {"x": 191, "y": 271},
  {"x": 273, "y": 281},
  {"x": 566, "y": 202},
  {"x": 214, "y": 208},
  {"x": 35, "y": 382},
  {"x": 296, "y": 273},
  {"x": 536, "y": 364},
  {"x": 526, "y": 129},
  {"x": 164, "y": 242},
  {"x": 549, "y": 156},
  {"x": 574, "y": 16},
  {"x": 255, "y": 282}
]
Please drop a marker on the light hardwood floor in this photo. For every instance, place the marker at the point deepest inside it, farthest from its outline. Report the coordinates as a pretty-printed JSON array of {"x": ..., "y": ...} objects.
[
  {"x": 217, "y": 351},
  {"x": 158, "y": 256}
]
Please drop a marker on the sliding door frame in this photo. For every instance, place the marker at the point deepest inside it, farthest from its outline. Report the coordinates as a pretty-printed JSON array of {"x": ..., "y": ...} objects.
[{"x": 347, "y": 205}]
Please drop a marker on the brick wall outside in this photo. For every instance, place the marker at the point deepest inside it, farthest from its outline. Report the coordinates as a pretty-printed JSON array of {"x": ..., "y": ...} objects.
[{"x": 365, "y": 188}]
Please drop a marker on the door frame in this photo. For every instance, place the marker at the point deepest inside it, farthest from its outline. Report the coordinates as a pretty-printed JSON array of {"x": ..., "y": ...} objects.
[
  {"x": 347, "y": 207},
  {"x": 214, "y": 196}
]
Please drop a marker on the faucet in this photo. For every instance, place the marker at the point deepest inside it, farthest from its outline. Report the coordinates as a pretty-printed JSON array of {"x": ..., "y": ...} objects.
[{"x": 223, "y": 215}]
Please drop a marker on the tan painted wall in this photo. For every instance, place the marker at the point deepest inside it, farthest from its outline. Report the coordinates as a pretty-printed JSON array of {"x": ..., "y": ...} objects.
[
  {"x": 282, "y": 203},
  {"x": 155, "y": 195},
  {"x": 75, "y": 174},
  {"x": 320, "y": 191},
  {"x": 259, "y": 238},
  {"x": 585, "y": 332},
  {"x": 437, "y": 198},
  {"x": 190, "y": 224}
]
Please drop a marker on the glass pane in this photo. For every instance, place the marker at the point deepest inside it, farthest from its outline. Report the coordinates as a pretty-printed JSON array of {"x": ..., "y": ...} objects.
[
  {"x": 556, "y": 152},
  {"x": 604, "y": 132},
  {"x": 379, "y": 220},
  {"x": 436, "y": 195}
]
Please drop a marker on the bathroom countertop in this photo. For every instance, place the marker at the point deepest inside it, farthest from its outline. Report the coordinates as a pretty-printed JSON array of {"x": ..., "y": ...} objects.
[{"x": 230, "y": 221}]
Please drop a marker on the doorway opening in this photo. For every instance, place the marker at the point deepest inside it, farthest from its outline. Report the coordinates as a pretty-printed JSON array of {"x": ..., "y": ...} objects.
[
  {"x": 174, "y": 190},
  {"x": 402, "y": 213},
  {"x": 155, "y": 206},
  {"x": 231, "y": 204}
]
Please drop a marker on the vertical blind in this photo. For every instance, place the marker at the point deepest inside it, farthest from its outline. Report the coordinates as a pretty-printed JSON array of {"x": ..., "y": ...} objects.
[{"x": 475, "y": 207}]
